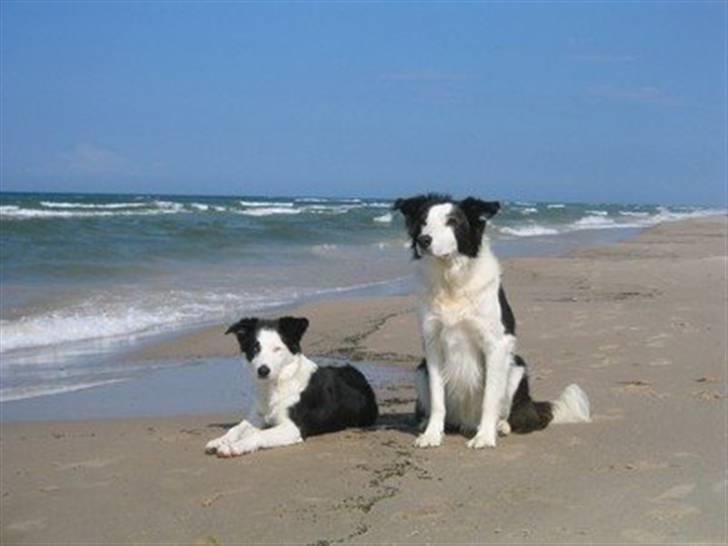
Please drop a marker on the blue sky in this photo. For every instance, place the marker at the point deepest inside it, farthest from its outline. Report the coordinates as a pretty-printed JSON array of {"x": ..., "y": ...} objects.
[{"x": 578, "y": 101}]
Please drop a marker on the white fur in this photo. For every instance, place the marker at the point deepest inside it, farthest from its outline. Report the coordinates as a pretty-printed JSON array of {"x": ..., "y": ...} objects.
[
  {"x": 469, "y": 354},
  {"x": 443, "y": 238},
  {"x": 269, "y": 424},
  {"x": 572, "y": 406}
]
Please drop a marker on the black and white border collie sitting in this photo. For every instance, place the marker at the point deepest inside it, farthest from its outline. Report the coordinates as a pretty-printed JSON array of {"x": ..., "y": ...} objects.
[
  {"x": 294, "y": 398},
  {"x": 471, "y": 379}
]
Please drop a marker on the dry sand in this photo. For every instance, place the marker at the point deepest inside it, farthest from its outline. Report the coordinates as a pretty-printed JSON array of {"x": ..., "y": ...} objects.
[{"x": 641, "y": 325}]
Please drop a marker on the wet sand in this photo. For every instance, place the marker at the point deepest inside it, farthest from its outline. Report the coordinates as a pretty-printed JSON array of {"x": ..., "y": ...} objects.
[{"x": 640, "y": 325}]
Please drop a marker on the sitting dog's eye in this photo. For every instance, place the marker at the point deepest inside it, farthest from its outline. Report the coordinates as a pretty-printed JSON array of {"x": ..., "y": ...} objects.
[
  {"x": 452, "y": 222},
  {"x": 276, "y": 349}
]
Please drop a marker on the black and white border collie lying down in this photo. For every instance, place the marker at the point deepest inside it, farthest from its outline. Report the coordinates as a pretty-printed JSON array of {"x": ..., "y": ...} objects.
[
  {"x": 471, "y": 378},
  {"x": 294, "y": 398}
]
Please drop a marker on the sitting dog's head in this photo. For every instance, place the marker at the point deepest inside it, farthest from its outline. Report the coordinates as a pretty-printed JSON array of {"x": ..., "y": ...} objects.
[
  {"x": 442, "y": 227},
  {"x": 269, "y": 346}
]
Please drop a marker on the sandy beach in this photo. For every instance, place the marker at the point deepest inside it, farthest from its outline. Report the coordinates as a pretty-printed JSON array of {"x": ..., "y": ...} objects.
[{"x": 640, "y": 325}]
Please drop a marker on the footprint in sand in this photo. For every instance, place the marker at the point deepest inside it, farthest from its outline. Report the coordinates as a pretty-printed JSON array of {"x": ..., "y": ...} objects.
[
  {"x": 604, "y": 361},
  {"x": 657, "y": 341},
  {"x": 706, "y": 395},
  {"x": 674, "y": 512},
  {"x": 187, "y": 471},
  {"x": 512, "y": 452},
  {"x": 613, "y": 414},
  {"x": 427, "y": 511},
  {"x": 27, "y": 525},
  {"x": 675, "y": 493},
  {"x": 661, "y": 362},
  {"x": 642, "y": 536},
  {"x": 648, "y": 465},
  {"x": 92, "y": 463},
  {"x": 551, "y": 458},
  {"x": 641, "y": 388}
]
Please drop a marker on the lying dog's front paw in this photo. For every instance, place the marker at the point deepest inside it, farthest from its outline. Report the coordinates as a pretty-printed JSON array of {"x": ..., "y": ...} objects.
[
  {"x": 480, "y": 441},
  {"x": 242, "y": 447},
  {"x": 224, "y": 451},
  {"x": 213, "y": 445},
  {"x": 429, "y": 439}
]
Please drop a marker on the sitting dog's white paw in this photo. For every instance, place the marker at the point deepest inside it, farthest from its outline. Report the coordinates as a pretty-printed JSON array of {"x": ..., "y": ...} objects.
[
  {"x": 503, "y": 428},
  {"x": 429, "y": 439},
  {"x": 480, "y": 441}
]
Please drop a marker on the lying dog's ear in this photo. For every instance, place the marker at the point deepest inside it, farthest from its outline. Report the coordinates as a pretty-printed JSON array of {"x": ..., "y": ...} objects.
[
  {"x": 291, "y": 330},
  {"x": 477, "y": 210},
  {"x": 242, "y": 326}
]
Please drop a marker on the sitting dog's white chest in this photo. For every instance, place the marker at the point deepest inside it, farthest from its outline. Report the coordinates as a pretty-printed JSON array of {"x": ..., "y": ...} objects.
[{"x": 463, "y": 372}]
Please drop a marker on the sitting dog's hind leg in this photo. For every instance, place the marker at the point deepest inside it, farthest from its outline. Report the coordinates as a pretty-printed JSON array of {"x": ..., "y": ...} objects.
[
  {"x": 422, "y": 388},
  {"x": 515, "y": 376}
]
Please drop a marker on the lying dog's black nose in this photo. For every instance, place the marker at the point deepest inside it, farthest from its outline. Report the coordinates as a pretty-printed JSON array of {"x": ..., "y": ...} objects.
[
  {"x": 424, "y": 241},
  {"x": 263, "y": 371}
]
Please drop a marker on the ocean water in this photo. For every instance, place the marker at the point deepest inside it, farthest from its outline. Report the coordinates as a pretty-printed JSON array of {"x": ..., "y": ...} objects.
[{"x": 84, "y": 274}]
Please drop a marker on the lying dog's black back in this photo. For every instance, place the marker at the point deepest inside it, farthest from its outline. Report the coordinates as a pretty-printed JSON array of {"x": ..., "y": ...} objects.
[{"x": 334, "y": 399}]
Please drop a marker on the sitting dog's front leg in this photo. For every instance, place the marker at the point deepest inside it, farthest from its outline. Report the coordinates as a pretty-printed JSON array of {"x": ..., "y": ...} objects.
[
  {"x": 496, "y": 383},
  {"x": 432, "y": 436},
  {"x": 285, "y": 434},
  {"x": 235, "y": 434}
]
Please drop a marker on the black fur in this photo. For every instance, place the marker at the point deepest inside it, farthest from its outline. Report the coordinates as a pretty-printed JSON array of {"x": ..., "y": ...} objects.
[
  {"x": 508, "y": 319},
  {"x": 468, "y": 219},
  {"x": 246, "y": 330},
  {"x": 526, "y": 414},
  {"x": 291, "y": 330},
  {"x": 334, "y": 399},
  {"x": 420, "y": 414}
]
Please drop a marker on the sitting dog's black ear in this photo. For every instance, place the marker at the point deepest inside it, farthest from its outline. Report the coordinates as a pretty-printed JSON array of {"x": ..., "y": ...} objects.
[
  {"x": 410, "y": 206},
  {"x": 291, "y": 330},
  {"x": 242, "y": 326},
  {"x": 476, "y": 209}
]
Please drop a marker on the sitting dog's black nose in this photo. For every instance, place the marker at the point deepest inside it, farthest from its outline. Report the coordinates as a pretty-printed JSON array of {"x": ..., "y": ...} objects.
[
  {"x": 263, "y": 371},
  {"x": 424, "y": 241}
]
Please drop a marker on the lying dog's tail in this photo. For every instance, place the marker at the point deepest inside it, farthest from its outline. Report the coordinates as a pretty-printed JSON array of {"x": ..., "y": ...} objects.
[{"x": 572, "y": 406}]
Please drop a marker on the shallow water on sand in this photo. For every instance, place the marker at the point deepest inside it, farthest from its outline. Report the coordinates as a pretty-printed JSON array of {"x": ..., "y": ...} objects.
[{"x": 203, "y": 386}]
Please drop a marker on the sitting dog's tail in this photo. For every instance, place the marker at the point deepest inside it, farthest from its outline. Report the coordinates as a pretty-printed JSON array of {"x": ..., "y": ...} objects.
[
  {"x": 528, "y": 415},
  {"x": 572, "y": 406}
]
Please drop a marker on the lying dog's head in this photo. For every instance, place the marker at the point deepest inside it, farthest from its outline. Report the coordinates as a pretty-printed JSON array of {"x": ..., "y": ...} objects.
[
  {"x": 442, "y": 227},
  {"x": 269, "y": 346}
]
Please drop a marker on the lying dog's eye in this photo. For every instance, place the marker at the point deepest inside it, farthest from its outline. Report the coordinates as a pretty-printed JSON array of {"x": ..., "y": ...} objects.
[
  {"x": 277, "y": 349},
  {"x": 452, "y": 222}
]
